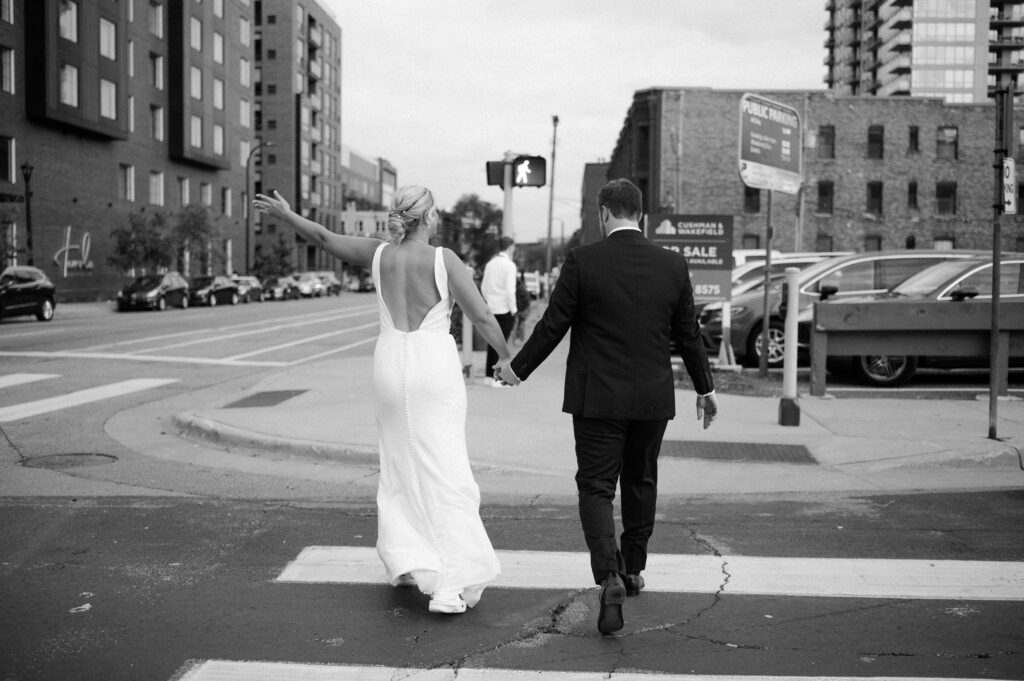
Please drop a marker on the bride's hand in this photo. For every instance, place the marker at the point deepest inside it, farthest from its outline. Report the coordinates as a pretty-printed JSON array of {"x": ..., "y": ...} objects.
[{"x": 274, "y": 206}]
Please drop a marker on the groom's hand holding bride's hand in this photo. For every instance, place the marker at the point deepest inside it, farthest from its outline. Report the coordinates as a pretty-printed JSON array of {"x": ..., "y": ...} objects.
[
  {"x": 503, "y": 372},
  {"x": 707, "y": 408}
]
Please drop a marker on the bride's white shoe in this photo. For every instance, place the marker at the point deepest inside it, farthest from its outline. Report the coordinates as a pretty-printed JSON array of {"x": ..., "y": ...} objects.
[{"x": 449, "y": 603}]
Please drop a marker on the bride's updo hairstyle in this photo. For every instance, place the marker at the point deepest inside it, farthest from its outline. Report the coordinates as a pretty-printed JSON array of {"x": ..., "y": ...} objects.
[{"x": 412, "y": 209}]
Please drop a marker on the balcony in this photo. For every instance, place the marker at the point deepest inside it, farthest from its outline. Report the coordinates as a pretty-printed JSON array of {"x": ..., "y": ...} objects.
[
  {"x": 315, "y": 167},
  {"x": 1007, "y": 67},
  {"x": 316, "y": 134},
  {"x": 901, "y": 65},
  {"x": 903, "y": 19},
  {"x": 316, "y": 35},
  {"x": 315, "y": 102},
  {"x": 316, "y": 69},
  {"x": 1005, "y": 20},
  {"x": 1001, "y": 44},
  {"x": 1005, "y": 3},
  {"x": 830, "y": 59}
]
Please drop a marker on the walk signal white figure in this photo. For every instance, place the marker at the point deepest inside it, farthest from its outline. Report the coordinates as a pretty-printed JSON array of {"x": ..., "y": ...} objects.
[{"x": 523, "y": 172}]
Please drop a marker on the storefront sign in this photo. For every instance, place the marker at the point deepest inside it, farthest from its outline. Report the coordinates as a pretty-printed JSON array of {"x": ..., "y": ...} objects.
[{"x": 74, "y": 257}]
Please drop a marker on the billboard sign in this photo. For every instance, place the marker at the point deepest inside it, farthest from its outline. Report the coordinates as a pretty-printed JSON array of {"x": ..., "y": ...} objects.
[
  {"x": 706, "y": 243},
  {"x": 770, "y": 145}
]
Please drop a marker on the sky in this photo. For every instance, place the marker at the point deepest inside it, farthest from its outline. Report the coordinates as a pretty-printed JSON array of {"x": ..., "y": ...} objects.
[{"x": 440, "y": 87}]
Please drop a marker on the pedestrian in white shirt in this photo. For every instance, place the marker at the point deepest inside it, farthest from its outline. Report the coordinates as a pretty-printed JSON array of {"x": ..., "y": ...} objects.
[{"x": 499, "y": 290}]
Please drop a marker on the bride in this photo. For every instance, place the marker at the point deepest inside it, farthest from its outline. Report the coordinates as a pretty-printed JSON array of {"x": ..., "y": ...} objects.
[{"x": 429, "y": 532}]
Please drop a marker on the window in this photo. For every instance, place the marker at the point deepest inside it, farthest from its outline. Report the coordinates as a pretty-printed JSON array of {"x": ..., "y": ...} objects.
[
  {"x": 872, "y": 242},
  {"x": 826, "y": 193},
  {"x": 183, "y": 191},
  {"x": 156, "y": 71},
  {"x": 244, "y": 31},
  {"x": 914, "y": 143},
  {"x": 945, "y": 198},
  {"x": 856, "y": 276},
  {"x": 218, "y": 8},
  {"x": 218, "y": 48},
  {"x": 196, "y": 34},
  {"x": 1010, "y": 282},
  {"x": 156, "y": 19},
  {"x": 218, "y": 139},
  {"x": 912, "y": 195},
  {"x": 69, "y": 20},
  {"x": 244, "y": 75},
  {"x": 826, "y": 141},
  {"x": 876, "y": 141},
  {"x": 131, "y": 58},
  {"x": 751, "y": 241},
  {"x": 7, "y": 70},
  {"x": 823, "y": 243},
  {"x": 7, "y": 11},
  {"x": 126, "y": 182},
  {"x": 225, "y": 201},
  {"x": 131, "y": 113},
  {"x": 108, "y": 99},
  {"x": 218, "y": 94},
  {"x": 156, "y": 118},
  {"x": 8, "y": 160},
  {"x": 946, "y": 143},
  {"x": 68, "y": 85},
  {"x": 244, "y": 112},
  {"x": 944, "y": 243},
  {"x": 197, "y": 132},
  {"x": 271, "y": 54},
  {"x": 156, "y": 188},
  {"x": 108, "y": 39},
  {"x": 196, "y": 83},
  {"x": 206, "y": 193},
  {"x": 751, "y": 200},
  {"x": 874, "y": 206},
  {"x": 244, "y": 147}
]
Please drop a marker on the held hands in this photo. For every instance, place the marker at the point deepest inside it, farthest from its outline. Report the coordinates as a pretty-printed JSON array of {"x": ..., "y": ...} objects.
[
  {"x": 707, "y": 408},
  {"x": 503, "y": 372},
  {"x": 275, "y": 206}
]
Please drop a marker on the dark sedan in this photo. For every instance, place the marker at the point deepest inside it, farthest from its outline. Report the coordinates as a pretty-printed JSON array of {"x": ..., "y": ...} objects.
[
  {"x": 154, "y": 292},
  {"x": 280, "y": 288},
  {"x": 219, "y": 290},
  {"x": 27, "y": 291}
]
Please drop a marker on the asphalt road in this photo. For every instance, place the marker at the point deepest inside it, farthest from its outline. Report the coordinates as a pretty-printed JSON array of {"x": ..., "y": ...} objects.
[{"x": 119, "y": 565}]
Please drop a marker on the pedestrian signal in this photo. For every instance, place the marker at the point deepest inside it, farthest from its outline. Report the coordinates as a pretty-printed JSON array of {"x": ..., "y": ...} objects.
[{"x": 529, "y": 171}]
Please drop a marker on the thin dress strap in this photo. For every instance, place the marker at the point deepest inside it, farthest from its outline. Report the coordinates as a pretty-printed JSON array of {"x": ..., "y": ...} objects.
[{"x": 385, "y": 313}]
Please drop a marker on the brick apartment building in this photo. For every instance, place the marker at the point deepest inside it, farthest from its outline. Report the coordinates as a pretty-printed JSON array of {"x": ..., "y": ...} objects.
[
  {"x": 879, "y": 172},
  {"x": 120, "y": 107}
]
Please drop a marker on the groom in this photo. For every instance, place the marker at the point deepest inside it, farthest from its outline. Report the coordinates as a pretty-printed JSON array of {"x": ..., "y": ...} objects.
[{"x": 622, "y": 299}]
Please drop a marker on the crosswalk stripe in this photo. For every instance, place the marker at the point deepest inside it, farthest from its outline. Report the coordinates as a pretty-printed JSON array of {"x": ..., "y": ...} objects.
[
  {"x": 11, "y": 380},
  {"x": 74, "y": 399},
  {"x": 227, "y": 670},
  {"x": 144, "y": 358},
  {"x": 748, "y": 575}
]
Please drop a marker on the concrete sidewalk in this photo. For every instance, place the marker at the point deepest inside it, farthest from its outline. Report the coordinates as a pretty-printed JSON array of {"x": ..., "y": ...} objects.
[{"x": 521, "y": 443}]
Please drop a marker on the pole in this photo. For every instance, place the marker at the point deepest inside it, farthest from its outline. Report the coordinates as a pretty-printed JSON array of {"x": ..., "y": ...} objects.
[
  {"x": 551, "y": 205},
  {"x": 766, "y": 325},
  {"x": 789, "y": 408},
  {"x": 506, "y": 186},
  {"x": 26, "y": 172},
  {"x": 248, "y": 202},
  {"x": 1004, "y": 123}
]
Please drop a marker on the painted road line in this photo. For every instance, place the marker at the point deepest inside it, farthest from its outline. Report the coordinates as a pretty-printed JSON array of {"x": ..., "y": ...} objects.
[
  {"x": 226, "y": 670},
  {"x": 11, "y": 380},
  {"x": 308, "y": 339},
  {"x": 333, "y": 351},
  {"x": 144, "y": 358},
  {"x": 746, "y": 575},
  {"x": 80, "y": 397}
]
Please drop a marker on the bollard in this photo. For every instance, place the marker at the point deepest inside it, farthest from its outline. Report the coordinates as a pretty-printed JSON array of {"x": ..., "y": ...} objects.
[{"x": 789, "y": 408}]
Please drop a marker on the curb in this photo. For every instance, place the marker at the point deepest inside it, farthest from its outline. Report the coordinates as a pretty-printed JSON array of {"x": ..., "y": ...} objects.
[{"x": 193, "y": 426}]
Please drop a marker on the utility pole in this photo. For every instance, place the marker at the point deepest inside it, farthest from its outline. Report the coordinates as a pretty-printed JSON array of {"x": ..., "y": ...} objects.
[
  {"x": 551, "y": 207},
  {"x": 248, "y": 202}
]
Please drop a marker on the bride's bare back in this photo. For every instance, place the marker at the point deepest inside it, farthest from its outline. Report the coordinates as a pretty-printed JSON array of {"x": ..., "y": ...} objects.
[{"x": 407, "y": 283}]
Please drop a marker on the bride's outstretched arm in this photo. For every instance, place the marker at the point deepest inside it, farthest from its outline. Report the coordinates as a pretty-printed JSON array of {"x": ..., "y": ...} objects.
[
  {"x": 468, "y": 296},
  {"x": 357, "y": 250}
]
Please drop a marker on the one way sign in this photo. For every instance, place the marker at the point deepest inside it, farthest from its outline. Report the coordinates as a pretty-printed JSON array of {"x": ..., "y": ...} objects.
[{"x": 1009, "y": 186}]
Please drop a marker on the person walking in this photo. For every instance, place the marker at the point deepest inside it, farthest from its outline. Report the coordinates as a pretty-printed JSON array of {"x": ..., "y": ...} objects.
[
  {"x": 622, "y": 299},
  {"x": 429, "y": 531},
  {"x": 499, "y": 290}
]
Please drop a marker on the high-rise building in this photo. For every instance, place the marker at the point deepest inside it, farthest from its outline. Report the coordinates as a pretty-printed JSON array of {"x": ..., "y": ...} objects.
[
  {"x": 922, "y": 48},
  {"x": 114, "y": 109},
  {"x": 297, "y": 78}
]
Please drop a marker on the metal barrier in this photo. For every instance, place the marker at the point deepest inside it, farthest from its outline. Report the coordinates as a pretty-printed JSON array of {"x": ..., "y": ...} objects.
[{"x": 931, "y": 328}]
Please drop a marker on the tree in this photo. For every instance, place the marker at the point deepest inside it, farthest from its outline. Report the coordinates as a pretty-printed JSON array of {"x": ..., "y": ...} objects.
[
  {"x": 276, "y": 262},
  {"x": 142, "y": 244},
  {"x": 471, "y": 229},
  {"x": 195, "y": 233}
]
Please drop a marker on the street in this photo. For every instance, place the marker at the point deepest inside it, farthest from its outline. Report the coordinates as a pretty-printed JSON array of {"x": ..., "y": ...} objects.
[{"x": 180, "y": 560}]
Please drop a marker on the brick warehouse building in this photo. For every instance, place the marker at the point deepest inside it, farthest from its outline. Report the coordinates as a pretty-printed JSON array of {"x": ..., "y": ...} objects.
[
  {"x": 120, "y": 108},
  {"x": 879, "y": 173}
]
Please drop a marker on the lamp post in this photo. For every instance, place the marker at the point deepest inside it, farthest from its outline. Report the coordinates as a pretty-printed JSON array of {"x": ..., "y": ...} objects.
[
  {"x": 248, "y": 200},
  {"x": 26, "y": 172}
]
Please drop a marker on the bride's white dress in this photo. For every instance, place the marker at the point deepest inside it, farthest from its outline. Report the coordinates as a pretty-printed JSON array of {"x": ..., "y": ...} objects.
[{"x": 428, "y": 501}]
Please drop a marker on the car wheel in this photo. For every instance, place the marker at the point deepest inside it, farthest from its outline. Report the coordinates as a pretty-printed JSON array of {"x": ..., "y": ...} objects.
[
  {"x": 212, "y": 301},
  {"x": 184, "y": 302},
  {"x": 161, "y": 303},
  {"x": 884, "y": 371},
  {"x": 234, "y": 299},
  {"x": 45, "y": 311},
  {"x": 776, "y": 345}
]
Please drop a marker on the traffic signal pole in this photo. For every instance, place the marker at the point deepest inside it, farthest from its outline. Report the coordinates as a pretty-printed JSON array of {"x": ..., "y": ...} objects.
[{"x": 506, "y": 186}]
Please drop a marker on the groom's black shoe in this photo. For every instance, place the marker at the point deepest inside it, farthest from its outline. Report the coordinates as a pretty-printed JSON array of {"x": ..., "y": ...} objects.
[
  {"x": 613, "y": 595},
  {"x": 634, "y": 583}
]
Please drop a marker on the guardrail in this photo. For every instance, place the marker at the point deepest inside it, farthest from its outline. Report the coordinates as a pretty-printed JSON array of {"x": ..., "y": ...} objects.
[{"x": 929, "y": 328}]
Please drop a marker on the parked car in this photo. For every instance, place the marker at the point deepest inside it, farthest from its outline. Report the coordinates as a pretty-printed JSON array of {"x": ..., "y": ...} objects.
[
  {"x": 280, "y": 288},
  {"x": 218, "y": 290},
  {"x": 750, "y": 275},
  {"x": 332, "y": 285},
  {"x": 309, "y": 285},
  {"x": 852, "y": 275},
  {"x": 154, "y": 292},
  {"x": 951, "y": 281},
  {"x": 249, "y": 289},
  {"x": 27, "y": 290}
]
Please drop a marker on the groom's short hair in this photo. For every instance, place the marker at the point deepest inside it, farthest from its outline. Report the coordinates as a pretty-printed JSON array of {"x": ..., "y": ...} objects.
[{"x": 622, "y": 198}]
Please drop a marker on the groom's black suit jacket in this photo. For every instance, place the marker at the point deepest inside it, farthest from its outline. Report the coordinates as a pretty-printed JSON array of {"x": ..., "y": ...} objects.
[{"x": 622, "y": 298}]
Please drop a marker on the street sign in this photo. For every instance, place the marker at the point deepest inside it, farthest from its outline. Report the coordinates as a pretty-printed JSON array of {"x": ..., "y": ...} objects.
[
  {"x": 1009, "y": 186},
  {"x": 769, "y": 145},
  {"x": 706, "y": 243}
]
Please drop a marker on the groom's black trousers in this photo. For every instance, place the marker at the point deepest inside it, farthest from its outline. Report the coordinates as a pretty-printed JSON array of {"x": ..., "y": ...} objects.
[{"x": 612, "y": 452}]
